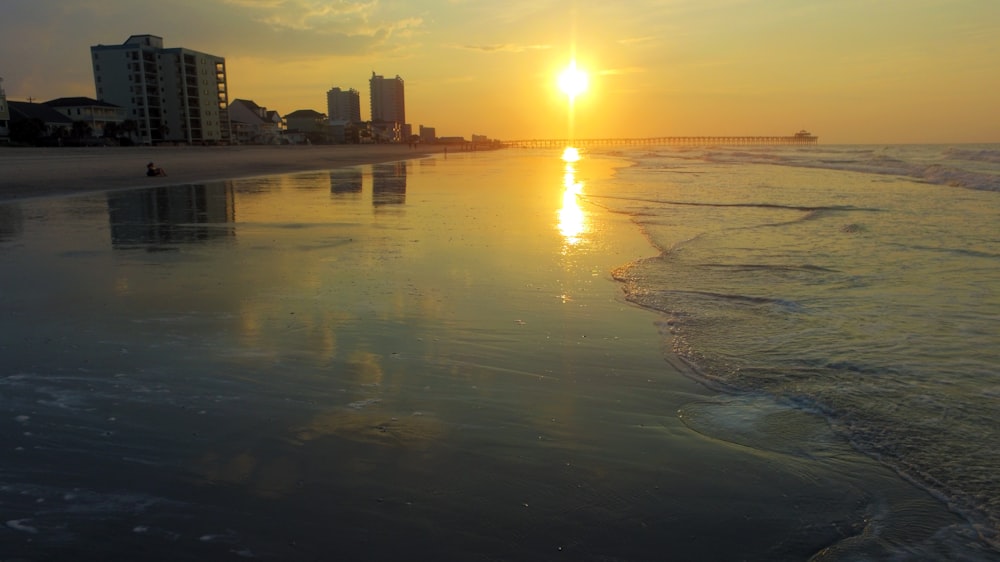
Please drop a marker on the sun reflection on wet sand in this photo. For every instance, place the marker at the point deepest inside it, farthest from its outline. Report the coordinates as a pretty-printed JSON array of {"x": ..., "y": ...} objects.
[{"x": 572, "y": 220}]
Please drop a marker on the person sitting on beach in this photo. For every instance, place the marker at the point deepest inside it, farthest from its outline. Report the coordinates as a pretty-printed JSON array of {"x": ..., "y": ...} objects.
[{"x": 152, "y": 170}]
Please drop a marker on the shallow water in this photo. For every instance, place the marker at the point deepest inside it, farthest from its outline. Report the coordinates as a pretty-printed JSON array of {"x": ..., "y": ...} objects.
[
  {"x": 427, "y": 356},
  {"x": 859, "y": 282}
]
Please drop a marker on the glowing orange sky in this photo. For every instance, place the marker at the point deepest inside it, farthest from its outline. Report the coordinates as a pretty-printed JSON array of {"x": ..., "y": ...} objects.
[{"x": 850, "y": 71}]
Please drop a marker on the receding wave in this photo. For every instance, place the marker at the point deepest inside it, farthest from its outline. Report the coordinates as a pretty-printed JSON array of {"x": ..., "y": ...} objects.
[
  {"x": 882, "y": 161},
  {"x": 767, "y": 267},
  {"x": 732, "y": 205},
  {"x": 865, "y": 299},
  {"x": 974, "y": 155}
]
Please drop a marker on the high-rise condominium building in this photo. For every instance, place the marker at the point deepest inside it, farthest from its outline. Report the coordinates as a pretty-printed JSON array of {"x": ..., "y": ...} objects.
[
  {"x": 343, "y": 106},
  {"x": 387, "y": 99},
  {"x": 172, "y": 94},
  {"x": 4, "y": 115}
]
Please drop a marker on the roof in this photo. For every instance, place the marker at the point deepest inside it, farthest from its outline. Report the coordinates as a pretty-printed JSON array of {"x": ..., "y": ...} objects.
[
  {"x": 24, "y": 110},
  {"x": 250, "y": 104},
  {"x": 78, "y": 101},
  {"x": 305, "y": 113}
]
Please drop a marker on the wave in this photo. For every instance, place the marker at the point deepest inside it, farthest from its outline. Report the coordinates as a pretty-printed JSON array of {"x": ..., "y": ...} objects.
[
  {"x": 991, "y": 155},
  {"x": 969, "y": 168},
  {"x": 808, "y": 209},
  {"x": 934, "y": 173}
]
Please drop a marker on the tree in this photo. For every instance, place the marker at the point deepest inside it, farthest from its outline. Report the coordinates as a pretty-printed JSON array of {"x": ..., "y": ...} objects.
[
  {"x": 112, "y": 130},
  {"x": 27, "y": 130},
  {"x": 129, "y": 127},
  {"x": 81, "y": 129}
]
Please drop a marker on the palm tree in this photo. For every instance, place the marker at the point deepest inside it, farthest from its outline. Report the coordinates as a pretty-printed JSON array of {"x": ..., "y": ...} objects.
[
  {"x": 112, "y": 130},
  {"x": 129, "y": 127},
  {"x": 27, "y": 130},
  {"x": 81, "y": 129}
]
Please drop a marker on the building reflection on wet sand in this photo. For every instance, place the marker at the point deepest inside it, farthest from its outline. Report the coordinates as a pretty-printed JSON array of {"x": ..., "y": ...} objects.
[
  {"x": 389, "y": 184},
  {"x": 164, "y": 216},
  {"x": 11, "y": 222},
  {"x": 346, "y": 181},
  {"x": 171, "y": 215}
]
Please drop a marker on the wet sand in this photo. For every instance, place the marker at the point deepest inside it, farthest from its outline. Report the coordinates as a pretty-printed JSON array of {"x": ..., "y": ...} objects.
[
  {"x": 40, "y": 172},
  {"x": 422, "y": 357}
]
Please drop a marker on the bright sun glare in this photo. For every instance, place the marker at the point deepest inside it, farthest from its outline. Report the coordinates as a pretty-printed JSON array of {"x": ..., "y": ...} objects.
[{"x": 573, "y": 81}]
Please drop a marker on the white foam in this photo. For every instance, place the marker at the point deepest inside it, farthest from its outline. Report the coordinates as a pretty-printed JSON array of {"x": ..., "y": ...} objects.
[
  {"x": 20, "y": 525},
  {"x": 359, "y": 404}
]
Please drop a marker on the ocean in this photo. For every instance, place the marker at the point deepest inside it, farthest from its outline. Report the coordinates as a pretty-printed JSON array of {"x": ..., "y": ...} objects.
[
  {"x": 858, "y": 282},
  {"x": 755, "y": 353}
]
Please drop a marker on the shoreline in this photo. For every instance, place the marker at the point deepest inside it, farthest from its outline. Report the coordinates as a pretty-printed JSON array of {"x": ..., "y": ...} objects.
[
  {"x": 406, "y": 387},
  {"x": 44, "y": 172}
]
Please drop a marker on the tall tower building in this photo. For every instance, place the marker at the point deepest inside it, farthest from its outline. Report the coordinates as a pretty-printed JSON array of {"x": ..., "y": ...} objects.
[
  {"x": 172, "y": 94},
  {"x": 343, "y": 105},
  {"x": 387, "y": 99},
  {"x": 4, "y": 115}
]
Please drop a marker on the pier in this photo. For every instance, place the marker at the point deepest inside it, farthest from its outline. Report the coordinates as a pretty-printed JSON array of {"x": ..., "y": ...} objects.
[{"x": 802, "y": 137}]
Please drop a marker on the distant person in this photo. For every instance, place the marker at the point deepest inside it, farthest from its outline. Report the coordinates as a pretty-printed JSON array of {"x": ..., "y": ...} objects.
[{"x": 152, "y": 170}]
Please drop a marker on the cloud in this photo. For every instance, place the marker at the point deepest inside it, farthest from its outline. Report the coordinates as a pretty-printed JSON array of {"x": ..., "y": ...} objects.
[
  {"x": 502, "y": 48},
  {"x": 346, "y": 18},
  {"x": 636, "y": 40},
  {"x": 308, "y": 15},
  {"x": 620, "y": 71},
  {"x": 296, "y": 30}
]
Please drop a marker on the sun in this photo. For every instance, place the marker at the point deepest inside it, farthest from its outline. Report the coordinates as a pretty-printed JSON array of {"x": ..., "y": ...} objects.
[{"x": 573, "y": 81}]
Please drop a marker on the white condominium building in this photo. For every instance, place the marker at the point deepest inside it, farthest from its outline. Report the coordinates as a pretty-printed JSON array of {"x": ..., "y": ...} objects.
[
  {"x": 4, "y": 115},
  {"x": 173, "y": 95},
  {"x": 343, "y": 106}
]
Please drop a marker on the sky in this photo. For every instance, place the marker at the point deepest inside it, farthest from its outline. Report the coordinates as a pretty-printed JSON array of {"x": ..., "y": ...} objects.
[{"x": 849, "y": 71}]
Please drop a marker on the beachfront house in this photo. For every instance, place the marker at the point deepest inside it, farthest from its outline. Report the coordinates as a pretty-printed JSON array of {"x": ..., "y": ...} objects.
[
  {"x": 37, "y": 123},
  {"x": 309, "y": 125},
  {"x": 428, "y": 134},
  {"x": 253, "y": 124},
  {"x": 339, "y": 131},
  {"x": 387, "y": 131},
  {"x": 99, "y": 116}
]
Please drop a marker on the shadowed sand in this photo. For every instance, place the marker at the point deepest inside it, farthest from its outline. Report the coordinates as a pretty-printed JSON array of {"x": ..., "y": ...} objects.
[{"x": 39, "y": 172}]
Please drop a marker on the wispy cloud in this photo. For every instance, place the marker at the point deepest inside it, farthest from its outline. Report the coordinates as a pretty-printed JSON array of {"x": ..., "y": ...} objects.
[
  {"x": 636, "y": 40},
  {"x": 347, "y": 17},
  {"x": 620, "y": 71},
  {"x": 502, "y": 48}
]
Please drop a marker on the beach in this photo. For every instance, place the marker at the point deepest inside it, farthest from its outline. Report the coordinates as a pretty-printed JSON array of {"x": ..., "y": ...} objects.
[
  {"x": 333, "y": 358},
  {"x": 39, "y": 172}
]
